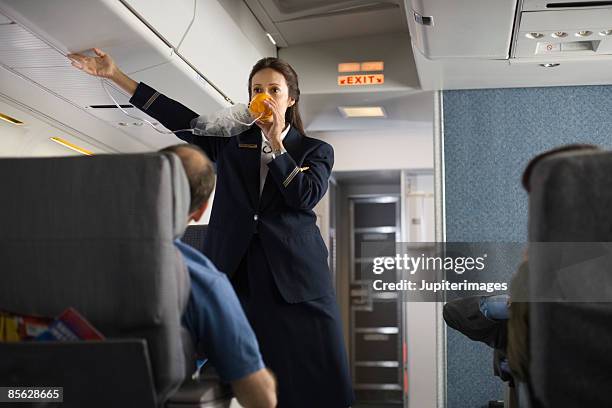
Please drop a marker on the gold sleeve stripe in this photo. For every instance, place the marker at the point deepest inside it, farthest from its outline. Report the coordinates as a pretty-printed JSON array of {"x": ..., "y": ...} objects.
[
  {"x": 150, "y": 101},
  {"x": 291, "y": 176}
]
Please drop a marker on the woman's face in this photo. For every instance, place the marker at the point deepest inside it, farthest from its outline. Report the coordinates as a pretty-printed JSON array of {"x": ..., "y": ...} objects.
[{"x": 274, "y": 84}]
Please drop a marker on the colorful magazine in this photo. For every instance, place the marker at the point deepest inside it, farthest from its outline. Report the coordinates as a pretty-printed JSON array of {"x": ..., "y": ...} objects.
[
  {"x": 15, "y": 327},
  {"x": 70, "y": 325}
]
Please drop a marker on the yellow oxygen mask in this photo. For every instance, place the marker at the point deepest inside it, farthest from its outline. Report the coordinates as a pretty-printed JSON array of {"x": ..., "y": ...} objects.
[{"x": 258, "y": 108}]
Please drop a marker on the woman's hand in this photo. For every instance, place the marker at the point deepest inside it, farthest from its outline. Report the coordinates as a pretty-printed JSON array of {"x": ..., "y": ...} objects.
[
  {"x": 101, "y": 66},
  {"x": 273, "y": 130}
]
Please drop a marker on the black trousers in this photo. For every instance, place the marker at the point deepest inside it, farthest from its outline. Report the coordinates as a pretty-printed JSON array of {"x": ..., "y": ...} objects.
[{"x": 301, "y": 343}]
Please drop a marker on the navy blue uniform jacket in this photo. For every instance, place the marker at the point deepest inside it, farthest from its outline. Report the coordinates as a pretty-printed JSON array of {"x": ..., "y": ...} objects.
[{"x": 282, "y": 217}]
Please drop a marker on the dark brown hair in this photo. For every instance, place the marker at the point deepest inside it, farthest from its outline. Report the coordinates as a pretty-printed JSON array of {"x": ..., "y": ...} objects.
[
  {"x": 548, "y": 153},
  {"x": 199, "y": 171},
  {"x": 292, "y": 115}
]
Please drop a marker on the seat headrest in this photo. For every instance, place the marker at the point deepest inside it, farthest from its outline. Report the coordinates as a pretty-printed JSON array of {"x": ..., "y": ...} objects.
[
  {"x": 125, "y": 195},
  {"x": 569, "y": 282},
  {"x": 573, "y": 190}
]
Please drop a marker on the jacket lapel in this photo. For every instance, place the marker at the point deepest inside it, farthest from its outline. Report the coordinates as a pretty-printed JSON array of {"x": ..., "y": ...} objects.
[
  {"x": 291, "y": 143},
  {"x": 249, "y": 154}
]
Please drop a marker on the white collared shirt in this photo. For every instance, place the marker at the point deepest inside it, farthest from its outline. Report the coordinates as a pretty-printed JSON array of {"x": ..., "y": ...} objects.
[{"x": 267, "y": 157}]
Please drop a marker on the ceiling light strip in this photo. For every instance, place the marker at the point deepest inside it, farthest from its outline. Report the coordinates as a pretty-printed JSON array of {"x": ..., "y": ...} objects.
[
  {"x": 10, "y": 119},
  {"x": 362, "y": 111},
  {"x": 349, "y": 67},
  {"x": 373, "y": 66},
  {"x": 271, "y": 38},
  {"x": 71, "y": 146},
  {"x": 367, "y": 66}
]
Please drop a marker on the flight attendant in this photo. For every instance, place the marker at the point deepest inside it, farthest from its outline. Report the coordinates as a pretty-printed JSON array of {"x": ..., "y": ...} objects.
[{"x": 263, "y": 232}]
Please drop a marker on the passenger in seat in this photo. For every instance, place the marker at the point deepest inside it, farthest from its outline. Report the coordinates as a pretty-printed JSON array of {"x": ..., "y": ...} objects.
[
  {"x": 496, "y": 320},
  {"x": 518, "y": 325},
  {"x": 213, "y": 316}
]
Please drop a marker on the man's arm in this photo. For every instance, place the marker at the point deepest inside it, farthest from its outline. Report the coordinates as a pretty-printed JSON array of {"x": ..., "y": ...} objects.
[
  {"x": 257, "y": 390},
  {"x": 222, "y": 333}
]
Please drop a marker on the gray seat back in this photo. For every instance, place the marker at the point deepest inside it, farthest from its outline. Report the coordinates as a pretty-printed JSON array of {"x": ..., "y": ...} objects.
[
  {"x": 570, "y": 282},
  {"x": 96, "y": 233}
]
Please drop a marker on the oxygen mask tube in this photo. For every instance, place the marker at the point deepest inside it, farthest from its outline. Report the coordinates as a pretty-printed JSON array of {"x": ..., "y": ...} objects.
[{"x": 226, "y": 122}]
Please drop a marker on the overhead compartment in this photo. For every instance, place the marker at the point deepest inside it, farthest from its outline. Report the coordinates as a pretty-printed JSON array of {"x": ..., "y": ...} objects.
[
  {"x": 484, "y": 29},
  {"x": 569, "y": 32},
  {"x": 470, "y": 44},
  {"x": 203, "y": 65},
  {"x": 169, "y": 20},
  {"x": 221, "y": 39},
  {"x": 539, "y": 5},
  {"x": 461, "y": 28}
]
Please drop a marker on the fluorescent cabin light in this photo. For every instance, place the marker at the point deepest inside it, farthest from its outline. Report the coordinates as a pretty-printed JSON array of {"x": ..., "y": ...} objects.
[
  {"x": 271, "y": 39},
  {"x": 373, "y": 66},
  {"x": 362, "y": 111},
  {"x": 361, "y": 67},
  {"x": 71, "y": 146},
  {"x": 10, "y": 119},
  {"x": 349, "y": 67}
]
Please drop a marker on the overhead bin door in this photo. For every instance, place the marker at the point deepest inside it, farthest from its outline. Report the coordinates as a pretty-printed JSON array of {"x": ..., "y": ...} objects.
[
  {"x": 462, "y": 28},
  {"x": 221, "y": 42}
]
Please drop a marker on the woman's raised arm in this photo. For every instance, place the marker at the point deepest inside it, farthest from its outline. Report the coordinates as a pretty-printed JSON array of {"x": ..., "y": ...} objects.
[{"x": 170, "y": 113}]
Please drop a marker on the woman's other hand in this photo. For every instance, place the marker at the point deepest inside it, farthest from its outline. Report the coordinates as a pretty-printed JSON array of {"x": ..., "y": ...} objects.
[
  {"x": 101, "y": 66},
  {"x": 273, "y": 130}
]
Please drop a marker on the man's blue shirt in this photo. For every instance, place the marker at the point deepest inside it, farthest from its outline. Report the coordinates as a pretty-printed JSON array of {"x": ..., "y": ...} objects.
[{"x": 216, "y": 321}]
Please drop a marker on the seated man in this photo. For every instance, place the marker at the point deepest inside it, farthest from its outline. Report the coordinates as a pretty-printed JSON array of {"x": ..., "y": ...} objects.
[
  {"x": 214, "y": 316},
  {"x": 518, "y": 327}
]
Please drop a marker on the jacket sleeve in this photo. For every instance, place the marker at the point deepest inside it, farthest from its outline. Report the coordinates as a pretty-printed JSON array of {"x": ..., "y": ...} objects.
[
  {"x": 175, "y": 116},
  {"x": 303, "y": 187}
]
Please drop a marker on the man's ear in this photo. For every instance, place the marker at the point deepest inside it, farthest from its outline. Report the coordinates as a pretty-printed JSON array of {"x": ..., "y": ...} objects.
[
  {"x": 197, "y": 214},
  {"x": 291, "y": 102}
]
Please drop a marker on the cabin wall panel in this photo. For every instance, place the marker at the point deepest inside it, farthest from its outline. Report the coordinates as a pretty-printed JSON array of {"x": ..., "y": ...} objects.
[{"x": 489, "y": 136}]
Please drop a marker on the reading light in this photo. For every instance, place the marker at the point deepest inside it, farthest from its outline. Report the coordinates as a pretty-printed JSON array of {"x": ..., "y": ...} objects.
[
  {"x": 559, "y": 34},
  {"x": 71, "y": 146},
  {"x": 605, "y": 32},
  {"x": 583, "y": 33},
  {"x": 271, "y": 39},
  {"x": 10, "y": 119},
  {"x": 362, "y": 111},
  {"x": 550, "y": 65}
]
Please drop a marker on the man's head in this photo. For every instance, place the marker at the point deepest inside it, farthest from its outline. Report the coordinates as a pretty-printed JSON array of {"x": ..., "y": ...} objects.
[
  {"x": 200, "y": 173},
  {"x": 563, "y": 149}
]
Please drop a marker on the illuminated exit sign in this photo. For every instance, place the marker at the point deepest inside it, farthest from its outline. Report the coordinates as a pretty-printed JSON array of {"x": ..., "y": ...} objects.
[{"x": 361, "y": 79}]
